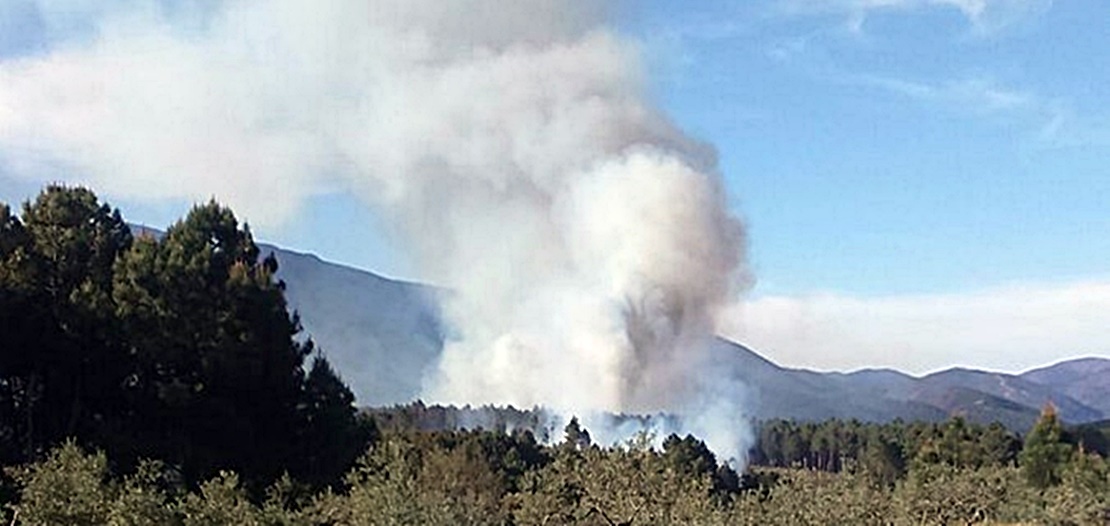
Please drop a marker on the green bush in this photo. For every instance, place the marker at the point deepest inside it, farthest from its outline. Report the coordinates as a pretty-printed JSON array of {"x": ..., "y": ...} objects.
[
  {"x": 68, "y": 487},
  {"x": 145, "y": 498},
  {"x": 220, "y": 501}
]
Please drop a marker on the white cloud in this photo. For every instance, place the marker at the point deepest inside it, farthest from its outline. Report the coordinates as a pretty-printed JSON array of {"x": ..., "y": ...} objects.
[
  {"x": 139, "y": 111},
  {"x": 1009, "y": 328}
]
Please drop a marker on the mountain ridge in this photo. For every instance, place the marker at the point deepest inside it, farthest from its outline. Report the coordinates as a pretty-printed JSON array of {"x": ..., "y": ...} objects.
[{"x": 383, "y": 336}]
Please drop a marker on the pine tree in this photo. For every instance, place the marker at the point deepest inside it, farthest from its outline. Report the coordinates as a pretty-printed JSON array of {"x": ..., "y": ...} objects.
[
  {"x": 332, "y": 435},
  {"x": 61, "y": 368},
  {"x": 1045, "y": 453},
  {"x": 19, "y": 335},
  {"x": 575, "y": 436},
  {"x": 219, "y": 367},
  {"x": 882, "y": 461}
]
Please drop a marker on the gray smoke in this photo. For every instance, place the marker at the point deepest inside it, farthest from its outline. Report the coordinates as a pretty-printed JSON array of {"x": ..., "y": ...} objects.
[{"x": 509, "y": 145}]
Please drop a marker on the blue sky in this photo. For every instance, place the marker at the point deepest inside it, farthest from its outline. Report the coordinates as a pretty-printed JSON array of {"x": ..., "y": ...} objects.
[
  {"x": 889, "y": 154},
  {"x": 908, "y": 149}
]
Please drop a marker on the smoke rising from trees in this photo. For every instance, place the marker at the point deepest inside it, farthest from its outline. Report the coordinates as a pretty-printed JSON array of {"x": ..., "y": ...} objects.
[{"x": 510, "y": 146}]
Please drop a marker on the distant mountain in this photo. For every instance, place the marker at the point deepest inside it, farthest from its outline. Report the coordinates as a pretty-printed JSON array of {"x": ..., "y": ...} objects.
[
  {"x": 978, "y": 406},
  {"x": 1011, "y": 399},
  {"x": 380, "y": 334},
  {"x": 779, "y": 392},
  {"x": 383, "y": 335},
  {"x": 1084, "y": 379}
]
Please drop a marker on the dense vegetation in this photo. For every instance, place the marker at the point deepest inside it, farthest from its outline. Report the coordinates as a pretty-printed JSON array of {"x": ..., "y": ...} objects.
[
  {"x": 491, "y": 477},
  {"x": 178, "y": 348},
  {"x": 161, "y": 380}
]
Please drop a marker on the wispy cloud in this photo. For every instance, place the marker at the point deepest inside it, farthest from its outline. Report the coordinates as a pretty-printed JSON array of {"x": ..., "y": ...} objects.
[
  {"x": 1048, "y": 120},
  {"x": 1009, "y": 328},
  {"x": 985, "y": 16},
  {"x": 977, "y": 94},
  {"x": 1067, "y": 128},
  {"x": 1053, "y": 122}
]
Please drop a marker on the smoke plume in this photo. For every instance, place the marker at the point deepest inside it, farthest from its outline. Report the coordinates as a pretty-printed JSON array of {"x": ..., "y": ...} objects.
[{"x": 510, "y": 146}]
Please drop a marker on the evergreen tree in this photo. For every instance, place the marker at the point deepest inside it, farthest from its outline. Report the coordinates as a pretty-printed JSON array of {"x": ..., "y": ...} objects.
[
  {"x": 1045, "y": 454},
  {"x": 689, "y": 456},
  {"x": 575, "y": 436},
  {"x": 62, "y": 369},
  {"x": 882, "y": 460},
  {"x": 19, "y": 335},
  {"x": 180, "y": 348},
  {"x": 220, "y": 370},
  {"x": 998, "y": 446},
  {"x": 332, "y": 437}
]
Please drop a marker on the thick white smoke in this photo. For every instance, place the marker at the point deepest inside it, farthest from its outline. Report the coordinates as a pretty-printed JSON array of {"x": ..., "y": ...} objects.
[{"x": 509, "y": 144}]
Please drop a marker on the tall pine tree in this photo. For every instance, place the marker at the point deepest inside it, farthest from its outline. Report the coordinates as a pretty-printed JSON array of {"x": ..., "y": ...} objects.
[
  {"x": 1045, "y": 454},
  {"x": 62, "y": 366},
  {"x": 220, "y": 367}
]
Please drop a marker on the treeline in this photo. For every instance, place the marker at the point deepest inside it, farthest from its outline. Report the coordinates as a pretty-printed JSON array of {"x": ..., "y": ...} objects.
[
  {"x": 890, "y": 448},
  {"x": 490, "y": 477},
  {"x": 418, "y": 416},
  {"x": 886, "y": 447},
  {"x": 177, "y": 348},
  {"x": 832, "y": 445},
  {"x": 545, "y": 425}
]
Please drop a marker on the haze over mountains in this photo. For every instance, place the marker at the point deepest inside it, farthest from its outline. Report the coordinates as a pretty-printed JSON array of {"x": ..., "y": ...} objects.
[{"x": 383, "y": 335}]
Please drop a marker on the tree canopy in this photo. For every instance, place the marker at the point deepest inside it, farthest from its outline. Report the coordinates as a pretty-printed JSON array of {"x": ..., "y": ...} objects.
[{"x": 179, "y": 348}]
